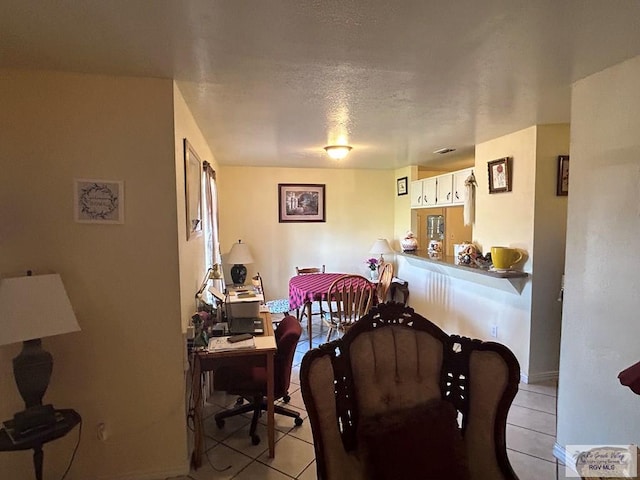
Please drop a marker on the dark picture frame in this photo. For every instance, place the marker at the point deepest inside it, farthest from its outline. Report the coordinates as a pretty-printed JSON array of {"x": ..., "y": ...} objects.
[
  {"x": 562, "y": 182},
  {"x": 192, "y": 190},
  {"x": 402, "y": 184},
  {"x": 500, "y": 175},
  {"x": 301, "y": 202}
]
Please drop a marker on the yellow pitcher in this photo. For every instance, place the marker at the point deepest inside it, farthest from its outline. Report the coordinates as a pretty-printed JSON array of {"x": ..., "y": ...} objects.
[{"x": 504, "y": 258}]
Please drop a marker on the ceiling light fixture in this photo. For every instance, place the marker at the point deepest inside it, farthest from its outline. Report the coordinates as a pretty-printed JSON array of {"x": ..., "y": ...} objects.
[{"x": 337, "y": 152}]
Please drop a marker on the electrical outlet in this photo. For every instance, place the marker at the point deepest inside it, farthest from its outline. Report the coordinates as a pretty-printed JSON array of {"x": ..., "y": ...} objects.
[
  {"x": 102, "y": 432},
  {"x": 494, "y": 331}
]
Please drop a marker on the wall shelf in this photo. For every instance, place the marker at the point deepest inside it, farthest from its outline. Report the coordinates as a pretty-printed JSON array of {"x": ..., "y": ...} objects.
[{"x": 511, "y": 280}]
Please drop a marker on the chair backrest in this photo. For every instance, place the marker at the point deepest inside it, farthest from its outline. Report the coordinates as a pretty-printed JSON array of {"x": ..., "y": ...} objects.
[
  {"x": 307, "y": 270},
  {"x": 394, "y": 359},
  {"x": 385, "y": 274},
  {"x": 287, "y": 335},
  {"x": 350, "y": 297}
]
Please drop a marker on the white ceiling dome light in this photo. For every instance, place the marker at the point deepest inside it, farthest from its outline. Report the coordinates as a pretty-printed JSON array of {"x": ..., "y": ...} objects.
[{"x": 337, "y": 152}]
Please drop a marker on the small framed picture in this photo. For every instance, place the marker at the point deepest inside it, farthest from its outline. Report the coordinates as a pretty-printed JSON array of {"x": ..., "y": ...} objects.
[
  {"x": 301, "y": 202},
  {"x": 98, "y": 201},
  {"x": 402, "y": 186},
  {"x": 500, "y": 175},
  {"x": 562, "y": 187}
]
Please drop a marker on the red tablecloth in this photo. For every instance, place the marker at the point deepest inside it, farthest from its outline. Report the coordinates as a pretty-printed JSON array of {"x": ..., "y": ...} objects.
[{"x": 310, "y": 288}]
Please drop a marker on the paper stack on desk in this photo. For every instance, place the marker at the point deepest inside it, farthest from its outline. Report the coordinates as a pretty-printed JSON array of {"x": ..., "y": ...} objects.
[{"x": 221, "y": 344}]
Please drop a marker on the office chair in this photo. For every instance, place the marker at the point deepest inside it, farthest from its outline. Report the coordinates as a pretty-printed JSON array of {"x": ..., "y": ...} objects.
[{"x": 251, "y": 383}]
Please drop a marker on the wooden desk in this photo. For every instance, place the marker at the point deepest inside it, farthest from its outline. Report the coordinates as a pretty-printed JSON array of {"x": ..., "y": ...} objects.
[
  {"x": 69, "y": 419},
  {"x": 206, "y": 361}
]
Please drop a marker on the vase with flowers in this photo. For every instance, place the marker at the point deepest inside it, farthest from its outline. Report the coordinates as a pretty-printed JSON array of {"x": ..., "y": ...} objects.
[{"x": 373, "y": 265}]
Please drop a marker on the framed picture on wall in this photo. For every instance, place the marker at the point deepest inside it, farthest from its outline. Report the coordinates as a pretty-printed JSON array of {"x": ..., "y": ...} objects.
[
  {"x": 192, "y": 186},
  {"x": 98, "y": 201},
  {"x": 301, "y": 202},
  {"x": 402, "y": 186},
  {"x": 562, "y": 187},
  {"x": 500, "y": 175}
]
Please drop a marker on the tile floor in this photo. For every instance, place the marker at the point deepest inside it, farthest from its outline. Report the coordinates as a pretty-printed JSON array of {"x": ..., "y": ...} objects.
[{"x": 531, "y": 432}]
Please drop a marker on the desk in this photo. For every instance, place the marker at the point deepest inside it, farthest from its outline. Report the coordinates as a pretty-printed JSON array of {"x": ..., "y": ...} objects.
[
  {"x": 206, "y": 361},
  {"x": 70, "y": 418}
]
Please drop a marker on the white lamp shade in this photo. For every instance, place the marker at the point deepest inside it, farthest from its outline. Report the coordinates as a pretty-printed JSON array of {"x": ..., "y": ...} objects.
[
  {"x": 34, "y": 307},
  {"x": 239, "y": 254},
  {"x": 380, "y": 247}
]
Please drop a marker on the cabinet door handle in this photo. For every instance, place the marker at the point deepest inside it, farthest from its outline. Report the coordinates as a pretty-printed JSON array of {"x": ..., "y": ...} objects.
[
  {"x": 425, "y": 200},
  {"x": 448, "y": 195},
  {"x": 457, "y": 196}
]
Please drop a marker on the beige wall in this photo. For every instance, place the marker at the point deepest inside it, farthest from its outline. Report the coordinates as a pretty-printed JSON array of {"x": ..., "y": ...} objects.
[
  {"x": 125, "y": 367},
  {"x": 192, "y": 267},
  {"x": 600, "y": 327},
  {"x": 358, "y": 211},
  {"x": 470, "y": 305},
  {"x": 550, "y": 226}
]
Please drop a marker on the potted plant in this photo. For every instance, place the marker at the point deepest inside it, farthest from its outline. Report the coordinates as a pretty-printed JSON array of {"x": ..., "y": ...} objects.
[{"x": 373, "y": 265}]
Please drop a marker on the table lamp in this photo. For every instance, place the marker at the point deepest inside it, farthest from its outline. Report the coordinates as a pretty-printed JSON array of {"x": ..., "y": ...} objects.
[
  {"x": 380, "y": 247},
  {"x": 238, "y": 256},
  {"x": 33, "y": 307}
]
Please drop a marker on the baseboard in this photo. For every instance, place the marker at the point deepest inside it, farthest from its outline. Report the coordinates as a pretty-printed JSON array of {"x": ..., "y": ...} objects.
[
  {"x": 564, "y": 457},
  {"x": 539, "y": 377},
  {"x": 155, "y": 475}
]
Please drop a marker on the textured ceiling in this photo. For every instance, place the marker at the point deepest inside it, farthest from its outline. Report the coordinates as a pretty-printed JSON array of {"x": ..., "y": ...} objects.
[{"x": 270, "y": 82}]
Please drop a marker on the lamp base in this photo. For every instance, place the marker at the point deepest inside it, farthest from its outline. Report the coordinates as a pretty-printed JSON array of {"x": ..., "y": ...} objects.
[
  {"x": 238, "y": 274},
  {"x": 32, "y": 371}
]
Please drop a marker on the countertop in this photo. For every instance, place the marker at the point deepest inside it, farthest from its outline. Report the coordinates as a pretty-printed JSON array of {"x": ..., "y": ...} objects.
[{"x": 449, "y": 261}]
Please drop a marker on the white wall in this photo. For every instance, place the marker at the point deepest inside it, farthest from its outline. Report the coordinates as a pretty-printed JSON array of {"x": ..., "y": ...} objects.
[
  {"x": 125, "y": 367},
  {"x": 359, "y": 209},
  {"x": 600, "y": 327}
]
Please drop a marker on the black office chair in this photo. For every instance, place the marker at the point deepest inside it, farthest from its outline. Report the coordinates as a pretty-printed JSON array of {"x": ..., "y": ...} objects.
[{"x": 251, "y": 382}]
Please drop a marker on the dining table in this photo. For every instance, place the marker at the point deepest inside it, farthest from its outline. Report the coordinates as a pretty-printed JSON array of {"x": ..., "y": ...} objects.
[{"x": 306, "y": 289}]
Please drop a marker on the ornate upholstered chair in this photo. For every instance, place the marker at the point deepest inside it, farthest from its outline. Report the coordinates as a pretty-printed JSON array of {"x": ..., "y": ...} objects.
[{"x": 435, "y": 401}]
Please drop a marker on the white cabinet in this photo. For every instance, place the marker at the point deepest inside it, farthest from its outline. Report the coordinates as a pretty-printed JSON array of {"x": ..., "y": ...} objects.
[
  {"x": 429, "y": 192},
  {"x": 459, "y": 188},
  {"x": 423, "y": 193},
  {"x": 439, "y": 191},
  {"x": 444, "y": 190},
  {"x": 415, "y": 190}
]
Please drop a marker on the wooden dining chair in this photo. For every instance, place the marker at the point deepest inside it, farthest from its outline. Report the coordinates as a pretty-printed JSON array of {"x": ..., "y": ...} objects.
[
  {"x": 310, "y": 271},
  {"x": 349, "y": 298},
  {"x": 385, "y": 275}
]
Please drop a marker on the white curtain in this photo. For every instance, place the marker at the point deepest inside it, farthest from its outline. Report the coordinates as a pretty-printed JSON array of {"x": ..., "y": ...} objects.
[{"x": 210, "y": 225}]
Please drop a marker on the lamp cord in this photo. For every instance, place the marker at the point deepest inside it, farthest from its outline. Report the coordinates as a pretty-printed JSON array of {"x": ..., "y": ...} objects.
[{"x": 73, "y": 455}]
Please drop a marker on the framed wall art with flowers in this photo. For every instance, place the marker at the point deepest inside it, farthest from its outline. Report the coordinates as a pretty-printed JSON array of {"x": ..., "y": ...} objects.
[
  {"x": 500, "y": 175},
  {"x": 98, "y": 201}
]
